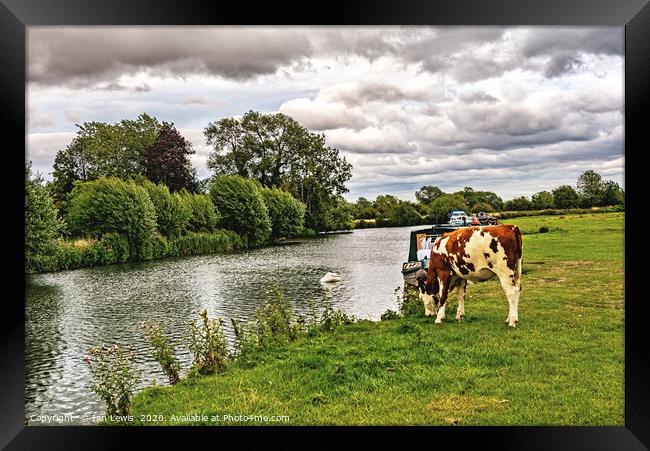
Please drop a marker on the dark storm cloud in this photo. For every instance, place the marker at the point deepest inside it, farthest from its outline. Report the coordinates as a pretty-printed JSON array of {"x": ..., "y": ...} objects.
[
  {"x": 455, "y": 51},
  {"x": 549, "y": 40},
  {"x": 82, "y": 56}
]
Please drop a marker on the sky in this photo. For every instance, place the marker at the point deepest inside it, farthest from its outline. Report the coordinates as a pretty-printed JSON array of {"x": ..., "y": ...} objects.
[{"x": 514, "y": 110}]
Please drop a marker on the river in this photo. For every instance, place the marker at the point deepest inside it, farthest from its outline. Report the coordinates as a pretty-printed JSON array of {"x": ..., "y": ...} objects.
[{"x": 69, "y": 312}]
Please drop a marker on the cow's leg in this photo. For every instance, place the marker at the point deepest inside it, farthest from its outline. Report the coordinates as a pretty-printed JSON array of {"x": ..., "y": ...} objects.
[
  {"x": 460, "y": 294},
  {"x": 444, "y": 291},
  {"x": 427, "y": 300},
  {"x": 512, "y": 290}
]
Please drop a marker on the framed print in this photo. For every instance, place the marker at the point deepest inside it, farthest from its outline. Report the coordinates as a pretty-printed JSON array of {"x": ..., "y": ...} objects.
[{"x": 381, "y": 216}]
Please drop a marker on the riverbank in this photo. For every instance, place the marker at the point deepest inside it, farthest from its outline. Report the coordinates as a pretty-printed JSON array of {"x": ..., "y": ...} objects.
[
  {"x": 409, "y": 371},
  {"x": 502, "y": 215}
]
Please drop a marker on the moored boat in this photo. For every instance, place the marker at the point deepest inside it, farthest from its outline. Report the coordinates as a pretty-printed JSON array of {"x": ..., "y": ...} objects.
[{"x": 420, "y": 248}]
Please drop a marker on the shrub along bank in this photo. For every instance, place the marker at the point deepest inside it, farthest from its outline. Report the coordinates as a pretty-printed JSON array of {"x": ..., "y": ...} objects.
[{"x": 110, "y": 220}]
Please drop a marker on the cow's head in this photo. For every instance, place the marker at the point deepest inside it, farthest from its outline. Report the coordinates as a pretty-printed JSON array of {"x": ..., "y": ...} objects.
[{"x": 427, "y": 284}]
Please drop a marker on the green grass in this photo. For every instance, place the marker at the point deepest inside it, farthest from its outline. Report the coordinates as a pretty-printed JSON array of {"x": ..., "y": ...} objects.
[{"x": 562, "y": 365}]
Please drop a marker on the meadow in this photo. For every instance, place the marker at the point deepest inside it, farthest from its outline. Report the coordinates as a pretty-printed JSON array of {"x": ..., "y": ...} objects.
[{"x": 562, "y": 365}]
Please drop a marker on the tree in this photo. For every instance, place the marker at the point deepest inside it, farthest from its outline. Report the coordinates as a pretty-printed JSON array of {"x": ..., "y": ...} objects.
[
  {"x": 565, "y": 196},
  {"x": 204, "y": 216},
  {"x": 520, "y": 203},
  {"x": 428, "y": 194},
  {"x": 542, "y": 200},
  {"x": 363, "y": 209},
  {"x": 42, "y": 223},
  {"x": 278, "y": 152},
  {"x": 405, "y": 214},
  {"x": 481, "y": 206},
  {"x": 385, "y": 204},
  {"x": 110, "y": 205},
  {"x": 339, "y": 214},
  {"x": 103, "y": 150},
  {"x": 590, "y": 188},
  {"x": 487, "y": 197},
  {"x": 240, "y": 203},
  {"x": 287, "y": 214},
  {"x": 167, "y": 160},
  {"x": 445, "y": 203},
  {"x": 612, "y": 193},
  {"x": 172, "y": 212}
]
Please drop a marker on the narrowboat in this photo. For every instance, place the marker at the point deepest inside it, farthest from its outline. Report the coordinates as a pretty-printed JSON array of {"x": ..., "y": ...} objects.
[{"x": 420, "y": 249}]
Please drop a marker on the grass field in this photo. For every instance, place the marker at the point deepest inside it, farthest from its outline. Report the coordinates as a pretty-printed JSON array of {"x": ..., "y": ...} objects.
[{"x": 562, "y": 365}]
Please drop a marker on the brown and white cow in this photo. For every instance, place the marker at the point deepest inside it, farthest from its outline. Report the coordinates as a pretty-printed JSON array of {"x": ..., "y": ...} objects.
[{"x": 473, "y": 254}]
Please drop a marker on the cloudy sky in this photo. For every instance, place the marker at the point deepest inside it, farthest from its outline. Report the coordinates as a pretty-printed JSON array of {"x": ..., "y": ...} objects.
[{"x": 510, "y": 110}]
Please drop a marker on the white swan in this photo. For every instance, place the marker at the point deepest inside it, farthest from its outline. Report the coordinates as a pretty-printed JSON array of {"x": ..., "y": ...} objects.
[{"x": 330, "y": 277}]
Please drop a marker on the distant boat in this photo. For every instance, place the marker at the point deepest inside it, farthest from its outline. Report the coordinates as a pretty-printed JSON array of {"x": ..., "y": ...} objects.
[{"x": 330, "y": 277}]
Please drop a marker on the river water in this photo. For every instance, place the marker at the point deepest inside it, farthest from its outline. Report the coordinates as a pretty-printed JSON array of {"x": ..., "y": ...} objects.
[{"x": 69, "y": 312}]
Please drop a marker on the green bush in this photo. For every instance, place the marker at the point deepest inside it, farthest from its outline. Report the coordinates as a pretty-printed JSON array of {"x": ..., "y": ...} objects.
[
  {"x": 207, "y": 343},
  {"x": 164, "y": 350},
  {"x": 172, "y": 212},
  {"x": 409, "y": 303},
  {"x": 112, "y": 205},
  {"x": 405, "y": 215},
  {"x": 156, "y": 246},
  {"x": 306, "y": 232},
  {"x": 96, "y": 254},
  {"x": 272, "y": 323},
  {"x": 115, "y": 377},
  {"x": 332, "y": 319},
  {"x": 41, "y": 225},
  {"x": 287, "y": 214},
  {"x": 68, "y": 256},
  {"x": 206, "y": 243},
  {"x": 41, "y": 263},
  {"x": 204, "y": 216},
  {"x": 242, "y": 208},
  {"x": 118, "y": 244},
  {"x": 389, "y": 315}
]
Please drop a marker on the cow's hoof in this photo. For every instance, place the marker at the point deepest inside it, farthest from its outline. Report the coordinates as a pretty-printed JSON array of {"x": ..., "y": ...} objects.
[
  {"x": 460, "y": 318},
  {"x": 438, "y": 321},
  {"x": 513, "y": 324}
]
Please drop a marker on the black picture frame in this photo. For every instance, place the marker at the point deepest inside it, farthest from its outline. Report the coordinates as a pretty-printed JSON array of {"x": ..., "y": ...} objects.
[{"x": 16, "y": 15}]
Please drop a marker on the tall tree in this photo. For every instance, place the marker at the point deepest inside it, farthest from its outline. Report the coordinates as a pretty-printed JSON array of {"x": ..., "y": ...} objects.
[
  {"x": 612, "y": 193},
  {"x": 103, "y": 150},
  {"x": 428, "y": 194},
  {"x": 167, "y": 160},
  {"x": 385, "y": 204},
  {"x": 518, "y": 204},
  {"x": 445, "y": 203},
  {"x": 565, "y": 196},
  {"x": 542, "y": 200},
  {"x": 42, "y": 223},
  {"x": 473, "y": 197},
  {"x": 590, "y": 188},
  {"x": 278, "y": 152}
]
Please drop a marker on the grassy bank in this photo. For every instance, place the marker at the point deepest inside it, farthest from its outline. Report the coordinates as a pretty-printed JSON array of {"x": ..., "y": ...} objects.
[{"x": 562, "y": 365}]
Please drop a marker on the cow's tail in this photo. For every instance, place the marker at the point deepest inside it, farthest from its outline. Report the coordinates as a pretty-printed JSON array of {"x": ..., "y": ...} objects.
[{"x": 519, "y": 252}]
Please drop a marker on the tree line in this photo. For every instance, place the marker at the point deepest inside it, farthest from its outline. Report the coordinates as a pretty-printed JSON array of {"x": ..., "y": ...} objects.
[
  {"x": 127, "y": 191},
  {"x": 432, "y": 204}
]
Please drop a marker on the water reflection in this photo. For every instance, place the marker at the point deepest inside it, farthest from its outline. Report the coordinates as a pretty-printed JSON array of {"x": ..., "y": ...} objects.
[{"x": 69, "y": 312}]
